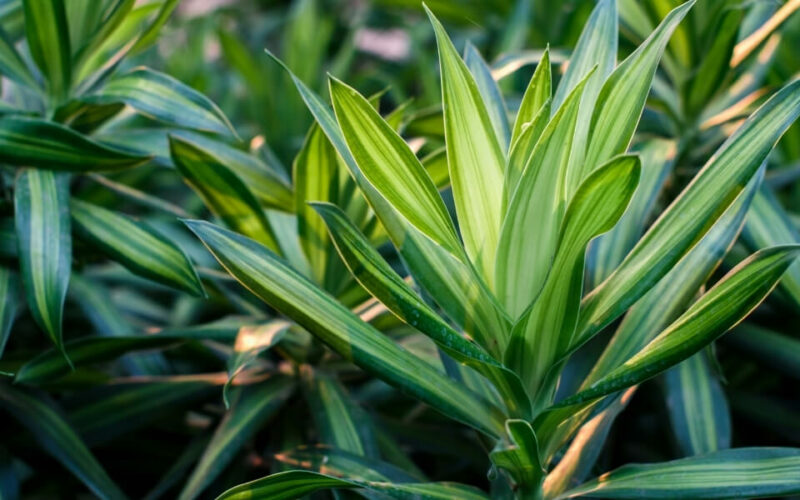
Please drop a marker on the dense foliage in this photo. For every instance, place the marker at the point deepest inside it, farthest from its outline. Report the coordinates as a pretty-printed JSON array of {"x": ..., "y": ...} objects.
[{"x": 375, "y": 275}]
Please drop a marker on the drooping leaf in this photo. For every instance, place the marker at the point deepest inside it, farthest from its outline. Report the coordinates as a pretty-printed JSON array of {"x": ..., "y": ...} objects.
[
  {"x": 274, "y": 282},
  {"x": 474, "y": 155},
  {"x": 31, "y": 142},
  {"x": 253, "y": 408},
  {"x": 56, "y": 436},
  {"x": 41, "y": 212},
  {"x": 738, "y": 473},
  {"x": 11, "y": 64},
  {"x": 223, "y": 191},
  {"x": 165, "y": 99},
  {"x": 135, "y": 245}
]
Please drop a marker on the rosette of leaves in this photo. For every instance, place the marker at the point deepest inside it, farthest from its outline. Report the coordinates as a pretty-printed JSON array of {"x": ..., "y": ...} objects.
[{"x": 508, "y": 308}]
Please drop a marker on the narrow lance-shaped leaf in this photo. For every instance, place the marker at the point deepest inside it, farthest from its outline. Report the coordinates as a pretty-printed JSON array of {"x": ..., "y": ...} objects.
[
  {"x": 475, "y": 158},
  {"x": 533, "y": 219},
  {"x": 608, "y": 250},
  {"x": 487, "y": 86},
  {"x": 56, "y": 436},
  {"x": 255, "y": 405},
  {"x": 521, "y": 459},
  {"x": 544, "y": 333},
  {"x": 739, "y": 473},
  {"x": 315, "y": 179},
  {"x": 294, "y": 484},
  {"x": 341, "y": 423},
  {"x": 596, "y": 47},
  {"x": 691, "y": 215},
  {"x": 136, "y": 246},
  {"x": 375, "y": 275},
  {"x": 31, "y": 142},
  {"x": 718, "y": 310},
  {"x": 536, "y": 95},
  {"x": 389, "y": 164},
  {"x": 41, "y": 211},
  {"x": 697, "y": 406},
  {"x": 165, "y": 99},
  {"x": 223, "y": 191},
  {"x": 341, "y": 463},
  {"x": 11, "y": 64},
  {"x": 768, "y": 224},
  {"x": 51, "y": 364},
  {"x": 622, "y": 98},
  {"x": 47, "y": 32},
  {"x": 277, "y": 284}
]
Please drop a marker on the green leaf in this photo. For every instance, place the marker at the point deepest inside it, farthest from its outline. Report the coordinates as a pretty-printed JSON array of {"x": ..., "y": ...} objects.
[
  {"x": 315, "y": 174},
  {"x": 691, "y": 215},
  {"x": 490, "y": 92},
  {"x": 9, "y": 304},
  {"x": 47, "y": 32},
  {"x": 622, "y": 98},
  {"x": 254, "y": 407},
  {"x": 41, "y": 212},
  {"x": 31, "y": 142},
  {"x": 775, "y": 350},
  {"x": 523, "y": 148},
  {"x": 277, "y": 284},
  {"x": 389, "y": 164},
  {"x": 341, "y": 463},
  {"x": 718, "y": 310},
  {"x": 55, "y": 435},
  {"x": 377, "y": 277},
  {"x": 739, "y": 473},
  {"x": 11, "y": 64},
  {"x": 544, "y": 333},
  {"x": 223, "y": 191},
  {"x": 536, "y": 95},
  {"x": 533, "y": 219},
  {"x": 767, "y": 225},
  {"x": 340, "y": 422},
  {"x": 136, "y": 246},
  {"x": 697, "y": 407},
  {"x": 596, "y": 47},
  {"x": 294, "y": 484},
  {"x": 652, "y": 313},
  {"x": 608, "y": 250},
  {"x": 163, "y": 98},
  {"x": 474, "y": 155},
  {"x": 51, "y": 364}
]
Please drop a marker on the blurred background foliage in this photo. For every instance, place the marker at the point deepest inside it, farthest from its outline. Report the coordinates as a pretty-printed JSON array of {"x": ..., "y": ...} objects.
[{"x": 157, "y": 422}]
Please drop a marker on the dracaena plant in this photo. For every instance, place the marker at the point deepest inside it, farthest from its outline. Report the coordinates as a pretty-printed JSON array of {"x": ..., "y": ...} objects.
[{"x": 508, "y": 280}]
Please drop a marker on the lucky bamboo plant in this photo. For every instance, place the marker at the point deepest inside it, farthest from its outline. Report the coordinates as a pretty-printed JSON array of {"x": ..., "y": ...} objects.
[{"x": 507, "y": 282}]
